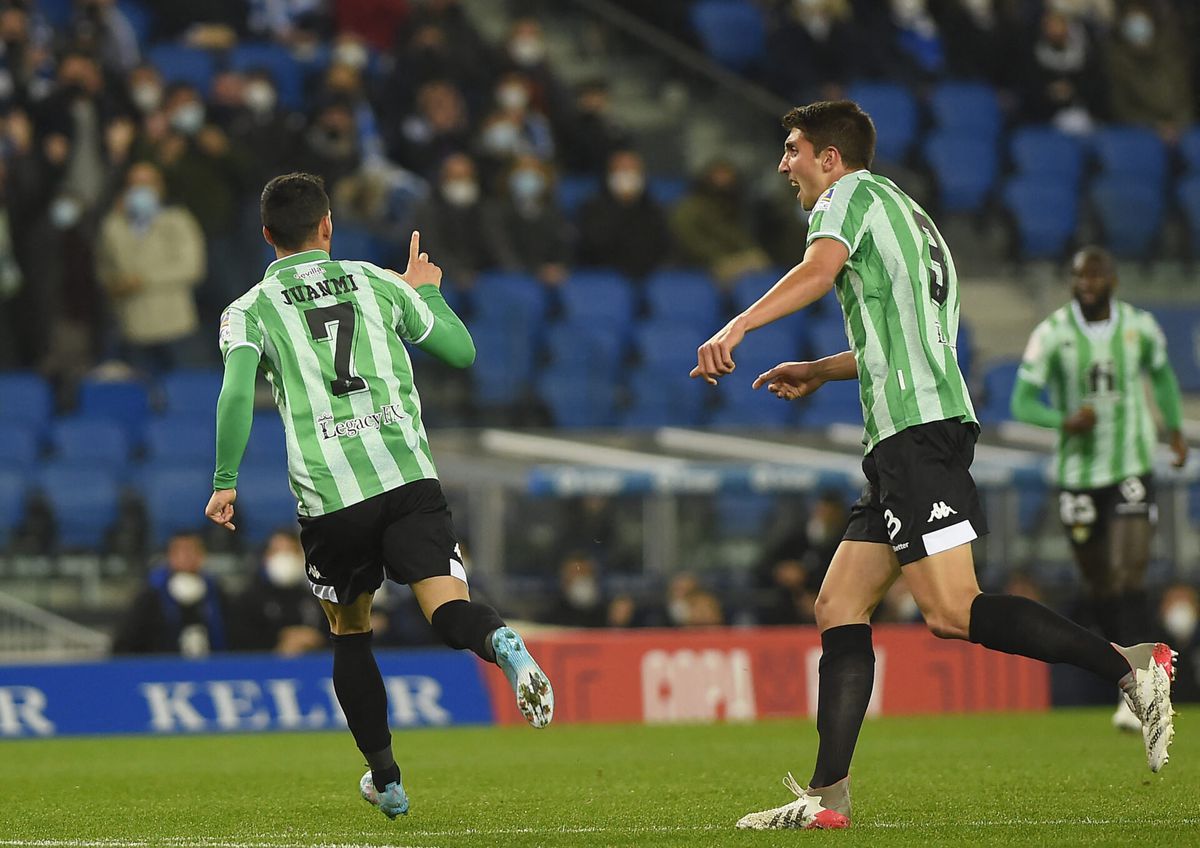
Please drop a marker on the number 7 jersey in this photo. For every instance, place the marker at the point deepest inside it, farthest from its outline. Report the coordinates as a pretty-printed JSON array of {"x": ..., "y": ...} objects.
[
  {"x": 330, "y": 336},
  {"x": 899, "y": 297}
]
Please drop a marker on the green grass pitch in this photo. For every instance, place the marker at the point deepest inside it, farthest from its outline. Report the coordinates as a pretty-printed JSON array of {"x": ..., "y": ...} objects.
[{"x": 1061, "y": 779}]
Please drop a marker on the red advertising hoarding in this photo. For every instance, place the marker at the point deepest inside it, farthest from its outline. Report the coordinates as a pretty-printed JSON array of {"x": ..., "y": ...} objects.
[{"x": 733, "y": 674}]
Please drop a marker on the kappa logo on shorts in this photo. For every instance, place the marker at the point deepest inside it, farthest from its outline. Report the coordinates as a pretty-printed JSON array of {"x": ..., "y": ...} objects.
[
  {"x": 940, "y": 511},
  {"x": 893, "y": 523},
  {"x": 313, "y": 573}
]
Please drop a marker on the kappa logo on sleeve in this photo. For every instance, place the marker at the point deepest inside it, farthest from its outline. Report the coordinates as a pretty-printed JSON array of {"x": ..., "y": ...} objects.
[{"x": 825, "y": 199}]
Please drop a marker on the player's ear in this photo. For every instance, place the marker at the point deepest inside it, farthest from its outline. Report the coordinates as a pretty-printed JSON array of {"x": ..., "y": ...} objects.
[
  {"x": 267, "y": 237},
  {"x": 325, "y": 228}
]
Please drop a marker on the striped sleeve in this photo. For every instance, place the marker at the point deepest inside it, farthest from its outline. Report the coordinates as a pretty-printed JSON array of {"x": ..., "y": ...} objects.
[
  {"x": 240, "y": 328},
  {"x": 1154, "y": 343},
  {"x": 841, "y": 214},
  {"x": 1035, "y": 362},
  {"x": 414, "y": 321}
]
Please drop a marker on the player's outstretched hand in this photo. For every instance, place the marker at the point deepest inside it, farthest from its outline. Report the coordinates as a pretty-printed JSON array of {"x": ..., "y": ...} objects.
[
  {"x": 420, "y": 271},
  {"x": 220, "y": 508},
  {"x": 714, "y": 358},
  {"x": 791, "y": 380}
]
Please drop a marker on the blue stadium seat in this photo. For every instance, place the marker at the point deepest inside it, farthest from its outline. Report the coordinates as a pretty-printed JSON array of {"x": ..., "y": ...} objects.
[
  {"x": 684, "y": 296},
  {"x": 503, "y": 363},
  {"x": 1046, "y": 215},
  {"x": 181, "y": 440},
  {"x": 1133, "y": 152},
  {"x": 25, "y": 397},
  {"x": 743, "y": 514},
  {"x": 998, "y": 383},
  {"x": 265, "y": 502},
  {"x": 834, "y": 403},
  {"x": 965, "y": 349},
  {"x": 664, "y": 399},
  {"x": 577, "y": 400},
  {"x": 1189, "y": 149},
  {"x": 572, "y": 190},
  {"x": 744, "y": 406},
  {"x": 509, "y": 297},
  {"x": 666, "y": 191},
  {"x": 357, "y": 243},
  {"x": 599, "y": 296},
  {"x": 829, "y": 336},
  {"x": 84, "y": 502},
  {"x": 969, "y": 108},
  {"x": 894, "y": 111},
  {"x": 1043, "y": 151},
  {"x": 1188, "y": 194},
  {"x": 1131, "y": 213},
  {"x": 174, "y": 498},
  {"x": 179, "y": 63},
  {"x": 590, "y": 346},
  {"x": 1181, "y": 326},
  {"x": 14, "y": 494},
  {"x": 192, "y": 391},
  {"x": 752, "y": 285},
  {"x": 127, "y": 403},
  {"x": 669, "y": 345},
  {"x": 91, "y": 442},
  {"x": 58, "y": 13},
  {"x": 140, "y": 18},
  {"x": 731, "y": 31},
  {"x": 267, "y": 445},
  {"x": 19, "y": 447},
  {"x": 965, "y": 167},
  {"x": 276, "y": 60}
]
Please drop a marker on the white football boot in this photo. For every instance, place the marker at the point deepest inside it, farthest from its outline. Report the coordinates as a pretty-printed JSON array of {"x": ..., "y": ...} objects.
[
  {"x": 1147, "y": 691},
  {"x": 823, "y": 808}
]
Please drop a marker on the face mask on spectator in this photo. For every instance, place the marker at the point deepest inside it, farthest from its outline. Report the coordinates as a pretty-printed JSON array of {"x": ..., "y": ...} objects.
[
  {"x": 501, "y": 137},
  {"x": 284, "y": 568},
  {"x": 1138, "y": 29},
  {"x": 142, "y": 202},
  {"x": 188, "y": 118},
  {"x": 1180, "y": 620},
  {"x": 186, "y": 588},
  {"x": 527, "y": 50},
  {"x": 147, "y": 96},
  {"x": 351, "y": 53},
  {"x": 65, "y": 212},
  {"x": 512, "y": 97},
  {"x": 626, "y": 182},
  {"x": 583, "y": 592},
  {"x": 260, "y": 97},
  {"x": 460, "y": 192},
  {"x": 526, "y": 185}
]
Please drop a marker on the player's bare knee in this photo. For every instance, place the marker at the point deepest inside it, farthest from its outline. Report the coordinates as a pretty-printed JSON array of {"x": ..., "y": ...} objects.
[{"x": 946, "y": 625}]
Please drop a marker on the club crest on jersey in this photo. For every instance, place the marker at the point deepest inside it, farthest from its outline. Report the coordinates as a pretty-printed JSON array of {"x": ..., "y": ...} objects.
[
  {"x": 389, "y": 413},
  {"x": 824, "y": 200}
]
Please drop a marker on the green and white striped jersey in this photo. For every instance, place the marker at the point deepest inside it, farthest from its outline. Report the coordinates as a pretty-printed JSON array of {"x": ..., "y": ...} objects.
[
  {"x": 899, "y": 295},
  {"x": 330, "y": 336},
  {"x": 1101, "y": 365}
]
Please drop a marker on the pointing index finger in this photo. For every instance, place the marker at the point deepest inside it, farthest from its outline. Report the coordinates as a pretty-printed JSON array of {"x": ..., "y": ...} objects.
[{"x": 414, "y": 246}]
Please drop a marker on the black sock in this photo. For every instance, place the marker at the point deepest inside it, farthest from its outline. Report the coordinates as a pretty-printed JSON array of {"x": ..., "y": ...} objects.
[
  {"x": 1020, "y": 626},
  {"x": 1134, "y": 619},
  {"x": 360, "y": 691},
  {"x": 847, "y": 676},
  {"x": 1107, "y": 610},
  {"x": 467, "y": 624}
]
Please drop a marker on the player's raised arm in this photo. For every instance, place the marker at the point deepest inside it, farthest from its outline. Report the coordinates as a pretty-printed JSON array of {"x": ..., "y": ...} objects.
[
  {"x": 805, "y": 284},
  {"x": 436, "y": 329}
]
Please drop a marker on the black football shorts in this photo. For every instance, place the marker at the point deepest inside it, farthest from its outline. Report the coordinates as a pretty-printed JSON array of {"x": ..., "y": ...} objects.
[
  {"x": 1086, "y": 514},
  {"x": 920, "y": 497},
  {"x": 405, "y": 534}
]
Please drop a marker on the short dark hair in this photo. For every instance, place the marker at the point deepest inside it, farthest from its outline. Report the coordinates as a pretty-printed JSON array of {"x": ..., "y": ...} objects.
[
  {"x": 292, "y": 205},
  {"x": 836, "y": 123}
]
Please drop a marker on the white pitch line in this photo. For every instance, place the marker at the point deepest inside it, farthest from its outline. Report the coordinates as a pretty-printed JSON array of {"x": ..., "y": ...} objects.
[{"x": 285, "y": 841}]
